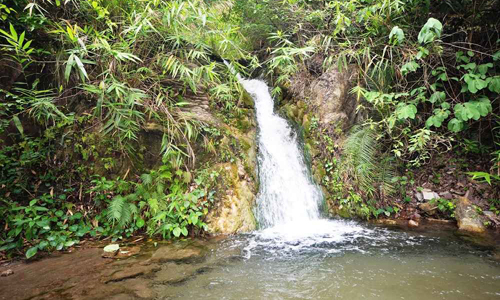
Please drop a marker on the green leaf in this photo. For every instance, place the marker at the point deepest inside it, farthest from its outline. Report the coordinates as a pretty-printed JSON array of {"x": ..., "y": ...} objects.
[
  {"x": 13, "y": 32},
  {"x": 31, "y": 252},
  {"x": 409, "y": 67},
  {"x": 405, "y": 111},
  {"x": 455, "y": 125},
  {"x": 184, "y": 231},
  {"x": 140, "y": 222},
  {"x": 398, "y": 34},
  {"x": 430, "y": 31},
  {"x": 483, "y": 69},
  {"x": 69, "y": 65},
  {"x": 437, "y": 97},
  {"x": 177, "y": 232},
  {"x": 494, "y": 85},
  {"x": 18, "y": 124}
]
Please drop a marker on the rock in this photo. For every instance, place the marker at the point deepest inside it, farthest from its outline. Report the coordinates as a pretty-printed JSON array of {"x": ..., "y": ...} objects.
[
  {"x": 416, "y": 216},
  {"x": 446, "y": 195},
  {"x": 413, "y": 224},
  {"x": 122, "y": 252},
  {"x": 419, "y": 196},
  {"x": 386, "y": 222},
  {"x": 329, "y": 94},
  {"x": 173, "y": 253},
  {"x": 172, "y": 272},
  {"x": 7, "y": 273},
  {"x": 467, "y": 217},
  {"x": 429, "y": 195},
  {"x": 492, "y": 217},
  {"x": 428, "y": 208},
  {"x": 132, "y": 271},
  {"x": 234, "y": 213}
]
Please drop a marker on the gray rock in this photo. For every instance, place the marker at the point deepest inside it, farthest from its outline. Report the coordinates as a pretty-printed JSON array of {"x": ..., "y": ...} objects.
[
  {"x": 419, "y": 196},
  {"x": 467, "y": 217},
  {"x": 429, "y": 195}
]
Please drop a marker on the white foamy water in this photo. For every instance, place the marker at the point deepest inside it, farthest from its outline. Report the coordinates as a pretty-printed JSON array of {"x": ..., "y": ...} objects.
[
  {"x": 288, "y": 202},
  {"x": 287, "y": 197}
]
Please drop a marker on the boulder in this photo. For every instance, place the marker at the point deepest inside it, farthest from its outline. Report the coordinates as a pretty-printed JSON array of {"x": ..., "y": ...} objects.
[{"x": 467, "y": 217}]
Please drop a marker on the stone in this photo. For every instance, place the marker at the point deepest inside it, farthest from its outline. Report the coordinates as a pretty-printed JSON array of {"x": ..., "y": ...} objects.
[
  {"x": 172, "y": 272},
  {"x": 386, "y": 222},
  {"x": 132, "y": 271},
  {"x": 492, "y": 217},
  {"x": 234, "y": 213},
  {"x": 429, "y": 195},
  {"x": 467, "y": 217},
  {"x": 419, "y": 196},
  {"x": 446, "y": 195},
  {"x": 122, "y": 252},
  {"x": 173, "y": 253},
  {"x": 329, "y": 94},
  {"x": 7, "y": 273},
  {"x": 428, "y": 208},
  {"x": 413, "y": 223}
]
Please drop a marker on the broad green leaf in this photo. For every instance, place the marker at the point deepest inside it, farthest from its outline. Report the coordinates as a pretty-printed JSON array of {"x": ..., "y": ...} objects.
[
  {"x": 430, "y": 31},
  {"x": 455, "y": 125},
  {"x": 31, "y": 252},
  {"x": 494, "y": 85},
  {"x": 405, "y": 111},
  {"x": 483, "y": 69},
  {"x": 184, "y": 231},
  {"x": 411, "y": 66},
  {"x": 437, "y": 97},
  {"x": 177, "y": 232},
  {"x": 397, "y": 35}
]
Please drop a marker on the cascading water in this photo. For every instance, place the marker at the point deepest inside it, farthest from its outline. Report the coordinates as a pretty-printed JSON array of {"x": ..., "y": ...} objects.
[
  {"x": 288, "y": 202},
  {"x": 287, "y": 195}
]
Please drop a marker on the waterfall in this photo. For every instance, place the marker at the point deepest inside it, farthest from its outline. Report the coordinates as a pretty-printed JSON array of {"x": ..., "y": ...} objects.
[{"x": 287, "y": 195}]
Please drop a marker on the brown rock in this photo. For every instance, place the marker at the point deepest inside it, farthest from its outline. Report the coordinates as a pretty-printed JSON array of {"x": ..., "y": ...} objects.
[
  {"x": 428, "y": 208},
  {"x": 467, "y": 217}
]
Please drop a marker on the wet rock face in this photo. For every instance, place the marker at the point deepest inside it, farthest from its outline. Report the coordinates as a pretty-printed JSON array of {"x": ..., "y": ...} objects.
[
  {"x": 329, "y": 96},
  {"x": 467, "y": 217},
  {"x": 234, "y": 213}
]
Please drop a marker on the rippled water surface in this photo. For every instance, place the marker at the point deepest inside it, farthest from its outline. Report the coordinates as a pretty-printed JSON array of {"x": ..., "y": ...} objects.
[{"x": 343, "y": 261}]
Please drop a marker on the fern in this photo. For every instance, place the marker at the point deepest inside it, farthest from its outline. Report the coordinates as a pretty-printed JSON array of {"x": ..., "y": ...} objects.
[
  {"x": 121, "y": 211},
  {"x": 362, "y": 162}
]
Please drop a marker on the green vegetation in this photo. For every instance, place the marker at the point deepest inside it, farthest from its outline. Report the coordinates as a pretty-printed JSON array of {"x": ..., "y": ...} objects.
[{"x": 86, "y": 86}]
